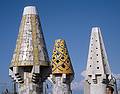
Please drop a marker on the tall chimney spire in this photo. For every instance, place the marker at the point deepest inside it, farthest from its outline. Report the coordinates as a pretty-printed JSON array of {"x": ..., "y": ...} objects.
[
  {"x": 98, "y": 74},
  {"x": 62, "y": 70},
  {"x": 30, "y": 62}
]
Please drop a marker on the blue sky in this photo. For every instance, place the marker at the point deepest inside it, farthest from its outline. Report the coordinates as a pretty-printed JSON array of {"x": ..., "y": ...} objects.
[{"x": 71, "y": 20}]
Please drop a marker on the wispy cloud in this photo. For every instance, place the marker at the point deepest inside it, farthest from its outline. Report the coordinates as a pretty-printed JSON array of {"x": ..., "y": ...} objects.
[
  {"x": 78, "y": 84},
  {"x": 117, "y": 76},
  {"x": 83, "y": 73}
]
